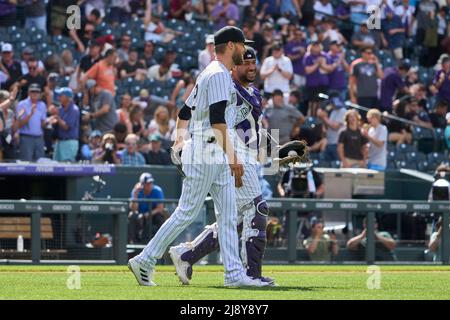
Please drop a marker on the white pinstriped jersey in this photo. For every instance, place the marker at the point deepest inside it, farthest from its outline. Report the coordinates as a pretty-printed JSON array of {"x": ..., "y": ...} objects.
[{"x": 213, "y": 85}]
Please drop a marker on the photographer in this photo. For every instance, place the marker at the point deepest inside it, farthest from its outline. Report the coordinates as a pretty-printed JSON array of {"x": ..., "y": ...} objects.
[
  {"x": 107, "y": 153},
  {"x": 384, "y": 243},
  {"x": 321, "y": 246},
  {"x": 145, "y": 218}
]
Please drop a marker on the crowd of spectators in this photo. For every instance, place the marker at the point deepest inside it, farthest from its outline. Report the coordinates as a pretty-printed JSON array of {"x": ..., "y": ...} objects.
[{"x": 109, "y": 94}]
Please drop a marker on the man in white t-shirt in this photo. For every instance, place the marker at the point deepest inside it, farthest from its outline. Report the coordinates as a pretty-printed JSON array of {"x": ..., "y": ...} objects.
[
  {"x": 276, "y": 71},
  {"x": 207, "y": 55},
  {"x": 377, "y": 136}
]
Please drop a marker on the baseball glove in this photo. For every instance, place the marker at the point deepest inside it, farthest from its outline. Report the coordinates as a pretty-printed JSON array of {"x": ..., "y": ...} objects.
[{"x": 293, "y": 151}]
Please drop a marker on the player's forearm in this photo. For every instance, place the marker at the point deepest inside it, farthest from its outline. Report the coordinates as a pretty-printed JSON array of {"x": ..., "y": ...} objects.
[
  {"x": 181, "y": 129},
  {"x": 220, "y": 132},
  {"x": 313, "y": 246}
]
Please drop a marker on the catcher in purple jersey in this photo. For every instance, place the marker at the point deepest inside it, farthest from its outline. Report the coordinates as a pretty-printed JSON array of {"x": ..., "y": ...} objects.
[{"x": 252, "y": 208}]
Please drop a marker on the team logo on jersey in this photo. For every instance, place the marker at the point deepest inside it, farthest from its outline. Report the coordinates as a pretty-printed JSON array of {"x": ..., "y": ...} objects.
[{"x": 242, "y": 112}]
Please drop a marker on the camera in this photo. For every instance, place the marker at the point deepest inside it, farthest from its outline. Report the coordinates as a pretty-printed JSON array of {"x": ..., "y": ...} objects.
[
  {"x": 336, "y": 230},
  {"x": 298, "y": 182},
  {"x": 109, "y": 146}
]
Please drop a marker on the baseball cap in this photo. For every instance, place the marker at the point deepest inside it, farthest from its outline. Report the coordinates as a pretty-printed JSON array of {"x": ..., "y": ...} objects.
[
  {"x": 249, "y": 53},
  {"x": 210, "y": 39},
  {"x": 28, "y": 50},
  {"x": 405, "y": 65},
  {"x": 146, "y": 178},
  {"x": 230, "y": 33},
  {"x": 53, "y": 75},
  {"x": 277, "y": 45},
  {"x": 315, "y": 220},
  {"x": 95, "y": 133},
  {"x": 155, "y": 137},
  {"x": 7, "y": 47},
  {"x": 65, "y": 91},
  {"x": 34, "y": 87}
]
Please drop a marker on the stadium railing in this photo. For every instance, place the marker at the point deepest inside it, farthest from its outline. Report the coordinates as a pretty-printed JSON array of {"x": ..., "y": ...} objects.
[{"x": 119, "y": 208}]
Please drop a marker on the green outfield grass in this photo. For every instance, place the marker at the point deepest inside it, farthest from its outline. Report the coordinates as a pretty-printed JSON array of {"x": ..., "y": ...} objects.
[{"x": 295, "y": 282}]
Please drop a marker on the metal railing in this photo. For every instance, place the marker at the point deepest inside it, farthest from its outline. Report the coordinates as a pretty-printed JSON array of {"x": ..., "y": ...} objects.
[{"x": 119, "y": 209}]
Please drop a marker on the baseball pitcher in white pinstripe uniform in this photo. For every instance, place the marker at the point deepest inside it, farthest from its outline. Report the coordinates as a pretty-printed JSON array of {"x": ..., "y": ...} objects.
[
  {"x": 252, "y": 209},
  {"x": 209, "y": 161}
]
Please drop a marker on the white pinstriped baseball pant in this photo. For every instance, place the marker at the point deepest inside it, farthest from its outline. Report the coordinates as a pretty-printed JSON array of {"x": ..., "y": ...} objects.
[{"x": 213, "y": 177}]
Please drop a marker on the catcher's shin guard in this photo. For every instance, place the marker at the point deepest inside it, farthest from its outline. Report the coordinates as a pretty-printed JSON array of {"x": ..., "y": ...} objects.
[
  {"x": 254, "y": 236},
  {"x": 205, "y": 243}
]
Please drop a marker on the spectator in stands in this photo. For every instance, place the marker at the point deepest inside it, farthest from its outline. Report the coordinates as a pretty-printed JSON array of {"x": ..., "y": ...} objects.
[
  {"x": 89, "y": 59},
  {"x": 330, "y": 33},
  {"x": 9, "y": 66},
  {"x": 437, "y": 116},
  {"x": 324, "y": 10},
  {"x": 290, "y": 117},
  {"x": 124, "y": 49},
  {"x": 137, "y": 121},
  {"x": 399, "y": 132},
  {"x": 8, "y": 13},
  {"x": 276, "y": 71},
  {"x": 7, "y": 124},
  {"x": 156, "y": 31},
  {"x": 120, "y": 132},
  {"x": 132, "y": 68},
  {"x": 86, "y": 33},
  {"x": 120, "y": 12},
  {"x": 321, "y": 246},
  {"x": 393, "y": 84},
  {"x": 162, "y": 125},
  {"x": 338, "y": 70},
  {"x": 208, "y": 54},
  {"x": 384, "y": 244},
  {"x": 161, "y": 71},
  {"x": 50, "y": 94},
  {"x": 426, "y": 31},
  {"x": 377, "y": 134},
  {"x": 27, "y": 54},
  {"x": 416, "y": 113},
  {"x": 352, "y": 145},
  {"x": 68, "y": 68},
  {"x": 315, "y": 62},
  {"x": 123, "y": 113},
  {"x": 366, "y": 38},
  {"x": 147, "y": 58},
  {"x": 108, "y": 151},
  {"x": 156, "y": 155},
  {"x": 31, "y": 117},
  {"x": 181, "y": 92},
  {"x": 295, "y": 49},
  {"x": 405, "y": 11},
  {"x": 180, "y": 9},
  {"x": 33, "y": 76},
  {"x": 224, "y": 11},
  {"x": 95, "y": 140},
  {"x": 145, "y": 218},
  {"x": 103, "y": 72},
  {"x": 365, "y": 73},
  {"x": 67, "y": 122},
  {"x": 130, "y": 155},
  {"x": 102, "y": 113},
  {"x": 394, "y": 33},
  {"x": 35, "y": 15},
  {"x": 251, "y": 32},
  {"x": 441, "y": 82},
  {"x": 333, "y": 122}
]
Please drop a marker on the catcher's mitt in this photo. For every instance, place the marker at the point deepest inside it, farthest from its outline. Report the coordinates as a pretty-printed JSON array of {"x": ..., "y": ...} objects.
[{"x": 293, "y": 151}]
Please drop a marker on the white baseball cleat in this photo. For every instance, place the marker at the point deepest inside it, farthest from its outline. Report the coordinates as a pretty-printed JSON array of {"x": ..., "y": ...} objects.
[
  {"x": 245, "y": 281},
  {"x": 183, "y": 268},
  {"x": 143, "y": 275}
]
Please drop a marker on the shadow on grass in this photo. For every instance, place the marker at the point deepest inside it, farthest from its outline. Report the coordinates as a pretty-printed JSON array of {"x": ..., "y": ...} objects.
[{"x": 272, "y": 289}]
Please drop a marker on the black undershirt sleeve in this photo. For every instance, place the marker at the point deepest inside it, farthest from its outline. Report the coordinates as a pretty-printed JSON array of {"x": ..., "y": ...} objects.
[
  {"x": 217, "y": 112},
  {"x": 185, "y": 113}
]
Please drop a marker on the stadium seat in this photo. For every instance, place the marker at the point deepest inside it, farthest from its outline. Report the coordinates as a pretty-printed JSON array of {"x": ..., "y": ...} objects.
[
  {"x": 396, "y": 156},
  {"x": 422, "y": 133},
  {"x": 406, "y": 165},
  {"x": 436, "y": 158},
  {"x": 335, "y": 164},
  {"x": 416, "y": 156},
  {"x": 405, "y": 148},
  {"x": 424, "y": 166}
]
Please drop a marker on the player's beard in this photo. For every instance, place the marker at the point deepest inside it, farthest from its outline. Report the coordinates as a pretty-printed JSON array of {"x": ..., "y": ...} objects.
[{"x": 238, "y": 58}]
